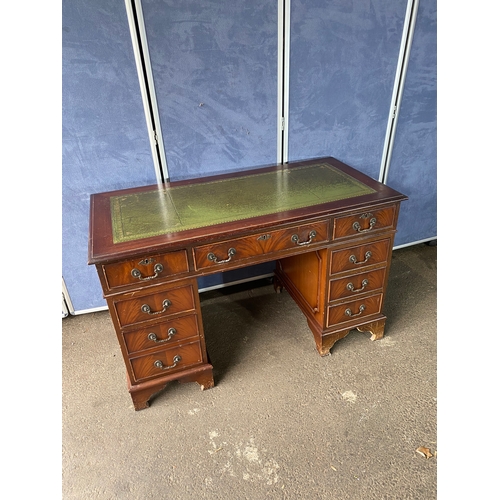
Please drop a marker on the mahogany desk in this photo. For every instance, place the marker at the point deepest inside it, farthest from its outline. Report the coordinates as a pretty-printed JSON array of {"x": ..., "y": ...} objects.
[{"x": 329, "y": 227}]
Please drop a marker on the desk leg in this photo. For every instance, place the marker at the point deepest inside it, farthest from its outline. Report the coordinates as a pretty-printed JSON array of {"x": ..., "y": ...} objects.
[
  {"x": 324, "y": 342},
  {"x": 205, "y": 379},
  {"x": 376, "y": 328},
  {"x": 141, "y": 398},
  {"x": 142, "y": 393},
  {"x": 278, "y": 285}
]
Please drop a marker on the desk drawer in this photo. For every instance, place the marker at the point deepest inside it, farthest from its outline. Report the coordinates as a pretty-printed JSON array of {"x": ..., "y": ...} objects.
[
  {"x": 153, "y": 306},
  {"x": 353, "y": 285},
  {"x": 165, "y": 362},
  {"x": 163, "y": 334},
  {"x": 144, "y": 270},
  {"x": 356, "y": 309},
  {"x": 360, "y": 256},
  {"x": 218, "y": 254},
  {"x": 364, "y": 222}
]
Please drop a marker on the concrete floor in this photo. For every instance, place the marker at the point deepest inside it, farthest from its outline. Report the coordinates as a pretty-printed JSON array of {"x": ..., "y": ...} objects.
[{"x": 281, "y": 421}]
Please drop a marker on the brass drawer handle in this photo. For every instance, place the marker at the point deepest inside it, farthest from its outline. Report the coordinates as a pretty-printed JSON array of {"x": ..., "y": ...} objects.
[
  {"x": 160, "y": 365},
  {"x": 351, "y": 288},
  {"x": 171, "y": 332},
  {"x": 211, "y": 256},
  {"x": 137, "y": 274},
  {"x": 349, "y": 313},
  {"x": 146, "y": 309},
  {"x": 353, "y": 259},
  {"x": 312, "y": 235},
  {"x": 357, "y": 226},
  {"x": 264, "y": 237}
]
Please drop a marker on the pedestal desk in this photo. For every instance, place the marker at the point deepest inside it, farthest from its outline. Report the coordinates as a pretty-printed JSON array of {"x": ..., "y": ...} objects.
[{"x": 329, "y": 228}]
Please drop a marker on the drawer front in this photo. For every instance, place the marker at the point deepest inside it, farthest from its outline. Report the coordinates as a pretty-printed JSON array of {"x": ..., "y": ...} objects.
[
  {"x": 360, "y": 256},
  {"x": 145, "y": 270},
  {"x": 356, "y": 309},
  {"x": 219, "y": 254},
  {"x": 353, "y": 285},
  {"x": 164, "y": 334},
  {"x": 364, "y": 222},
  {"x": 154, "y": 306},
  {"x": 165, "y": 362}
]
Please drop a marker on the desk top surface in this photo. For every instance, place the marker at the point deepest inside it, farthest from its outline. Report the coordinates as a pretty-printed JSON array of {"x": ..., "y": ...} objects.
[{"x": 131, "y": 219}]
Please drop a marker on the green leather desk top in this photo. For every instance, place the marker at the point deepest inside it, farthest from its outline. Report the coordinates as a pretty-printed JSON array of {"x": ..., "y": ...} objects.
[{"x": 190, "y": 206}]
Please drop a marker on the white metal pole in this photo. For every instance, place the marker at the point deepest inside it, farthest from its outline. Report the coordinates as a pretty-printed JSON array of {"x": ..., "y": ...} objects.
[
  {"x": 147, "y": 87},
  {"x": 283, "y": 80},
  {"x": 397, "y": 93}
]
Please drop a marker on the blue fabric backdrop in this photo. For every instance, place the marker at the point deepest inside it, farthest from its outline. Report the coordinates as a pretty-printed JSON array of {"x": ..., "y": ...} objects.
[{"x": 105, "y": 144}]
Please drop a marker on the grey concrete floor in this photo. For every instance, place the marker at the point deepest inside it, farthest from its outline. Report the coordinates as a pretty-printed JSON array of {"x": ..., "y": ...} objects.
[{"x": 281, "y": 421}]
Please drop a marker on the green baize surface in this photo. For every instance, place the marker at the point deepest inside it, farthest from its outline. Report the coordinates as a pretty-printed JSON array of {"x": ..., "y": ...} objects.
[{"x": 173, "y": 209}]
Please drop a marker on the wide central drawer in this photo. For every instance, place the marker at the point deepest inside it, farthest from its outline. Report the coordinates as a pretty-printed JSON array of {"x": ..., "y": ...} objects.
[
  {"x": 163, "y": 334},
  {"x": 153, "y": 306},
  {"x": 220, "y": 254},
  {"x": 166, "y": 362}
]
